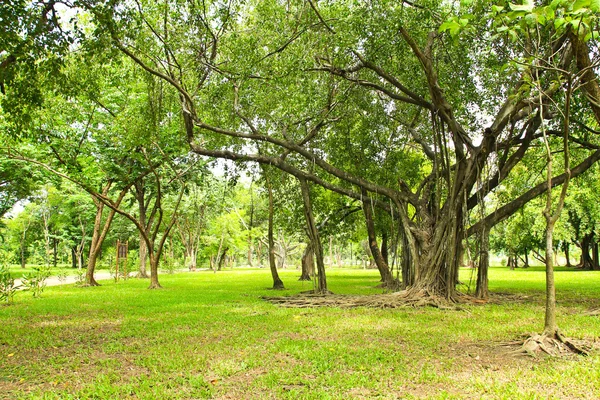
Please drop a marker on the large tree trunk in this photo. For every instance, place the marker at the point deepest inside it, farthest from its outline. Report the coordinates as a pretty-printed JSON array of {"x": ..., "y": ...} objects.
[
  {"x": 433, "y": 247},
  {"x": 481, "y": 291},
  {"x": 315, "y": 240},
  {"x": 193, "y": 257},
  {"x": 277, "y": 282},
  {"x": 308, "y": 264},
  {"x": 586, "y": 262}
]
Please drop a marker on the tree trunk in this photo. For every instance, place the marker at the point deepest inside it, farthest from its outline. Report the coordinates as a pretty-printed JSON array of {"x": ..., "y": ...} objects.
[
  {"x": 73, "y": 257},
  {"x": 277, "y": 282},
  {"x": 550, "y": 326},
  {"x": 98, "y": 234},
  {"x": 331, "y": 251},
  {"x": 54, "y": 252},
  {"x": 526, "y": 264},
  {"x": 154, "y": 284},
  {"x": 434, "y": 251},
  {"x": 587, "y": 262},
  {"x": 481, "y": 291},
  {"x": 567, "y": 257},
  {"x": 595, "y": 265},
  {"x": 308, "y": 264},
  {"x": 222, "y": 258},
  {"x": 142, "y": 273},
  {"x": 192, "y": 256},
  {"x": 313, "y": 234},
  {"x": 384, "y": 248},
  {"x": 23, "y": 258},
  {"x": 382, "y": 265}
]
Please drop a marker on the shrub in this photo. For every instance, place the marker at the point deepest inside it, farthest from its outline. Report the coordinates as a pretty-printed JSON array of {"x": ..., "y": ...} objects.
[
  {"x": 35, "y": 281},
  {"x": 7, "y": 285}
]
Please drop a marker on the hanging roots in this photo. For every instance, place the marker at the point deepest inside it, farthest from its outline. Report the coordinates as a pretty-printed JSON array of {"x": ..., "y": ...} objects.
[
  {"x": 392, "y": 300},
  {"x": 557, "y": 346}
]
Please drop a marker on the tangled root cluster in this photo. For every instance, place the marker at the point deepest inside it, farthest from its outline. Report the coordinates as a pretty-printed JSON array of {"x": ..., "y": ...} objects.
[
  {"x": 552, "y": 345},
  {"x": 391, "y": 300}
]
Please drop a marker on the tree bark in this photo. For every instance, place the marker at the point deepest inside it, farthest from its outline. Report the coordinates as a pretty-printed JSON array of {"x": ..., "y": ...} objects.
[
  {"x": 222, "y": 258},
  {"x": 481, "y": 291},
  {"x": 154, "y": 284},
  {"x": 143, "y": 252},
  {"x": 277, "y": 282},
  {"x": 550, "y": 325},
  {"x": 382, "y": 266},
  {"x": 587, "y": 263},
  {"x": 567, "y": 256},
  {"x": 313, "y": 234},
  {"x": 308, "y": 264},
  {"x": 595, "y": 265}
]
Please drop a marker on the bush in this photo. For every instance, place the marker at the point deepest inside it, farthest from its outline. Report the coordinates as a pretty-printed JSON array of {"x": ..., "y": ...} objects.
[
  {"x": 7, "y": 285},
  {"x": 35, "y": 281}
]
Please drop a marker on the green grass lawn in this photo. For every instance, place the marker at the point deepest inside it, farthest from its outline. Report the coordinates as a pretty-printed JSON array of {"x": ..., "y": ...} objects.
[{"x": 210, "y": 335}]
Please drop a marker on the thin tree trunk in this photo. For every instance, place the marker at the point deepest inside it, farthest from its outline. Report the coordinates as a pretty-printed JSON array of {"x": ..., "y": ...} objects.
[
  {"x": 384, "y": 248},
  {"x": 567, "y": 256},
  {"x": 54, "y": 252},
  {"x": 222, "y": 258},
  {"x": 481, "y": 291},
  {"x": 550, "y": 324},
  {"x": 313, "y": 234},
  {"x": 98, "y": 235},
  {"x": 277, "y": 282},
  {"x": 330, "y": 251},
  {"x": 73, "y": 257}
]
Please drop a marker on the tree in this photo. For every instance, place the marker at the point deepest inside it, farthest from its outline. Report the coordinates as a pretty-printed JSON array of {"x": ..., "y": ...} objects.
[{"x": 451, "y": 140}]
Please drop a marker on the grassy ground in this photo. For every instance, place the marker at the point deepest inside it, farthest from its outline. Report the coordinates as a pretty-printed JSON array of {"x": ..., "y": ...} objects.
[{"x": 210, "y": 335}]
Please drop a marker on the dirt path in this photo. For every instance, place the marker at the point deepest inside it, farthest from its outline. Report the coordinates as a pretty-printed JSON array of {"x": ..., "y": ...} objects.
[{"x": 55, "y": 281}]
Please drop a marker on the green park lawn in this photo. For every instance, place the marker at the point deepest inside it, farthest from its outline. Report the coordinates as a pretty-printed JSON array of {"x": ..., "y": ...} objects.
[{"x": 209, "y": 335}]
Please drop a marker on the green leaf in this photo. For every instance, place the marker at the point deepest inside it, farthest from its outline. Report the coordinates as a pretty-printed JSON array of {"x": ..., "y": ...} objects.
[
  {"x": 527, "y": 6},
  {"x": 580, "y": 4}
]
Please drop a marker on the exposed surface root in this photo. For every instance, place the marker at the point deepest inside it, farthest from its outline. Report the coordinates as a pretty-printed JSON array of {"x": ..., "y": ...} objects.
[
  {"x": 553, "y": 346},
  {"x": 392, "y": 300},
  {"x": 593, "y": 312}
]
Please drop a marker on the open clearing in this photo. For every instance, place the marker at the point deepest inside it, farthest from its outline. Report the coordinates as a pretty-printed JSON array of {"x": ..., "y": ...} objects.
[{"x": 211, "y": 335}]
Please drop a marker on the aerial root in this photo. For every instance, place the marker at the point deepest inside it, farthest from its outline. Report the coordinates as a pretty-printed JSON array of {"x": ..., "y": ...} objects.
[
  {"x": 392, "y": 300},
  {"x": 593, "y": 312},
  {"x": 551, "y": 345}
]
